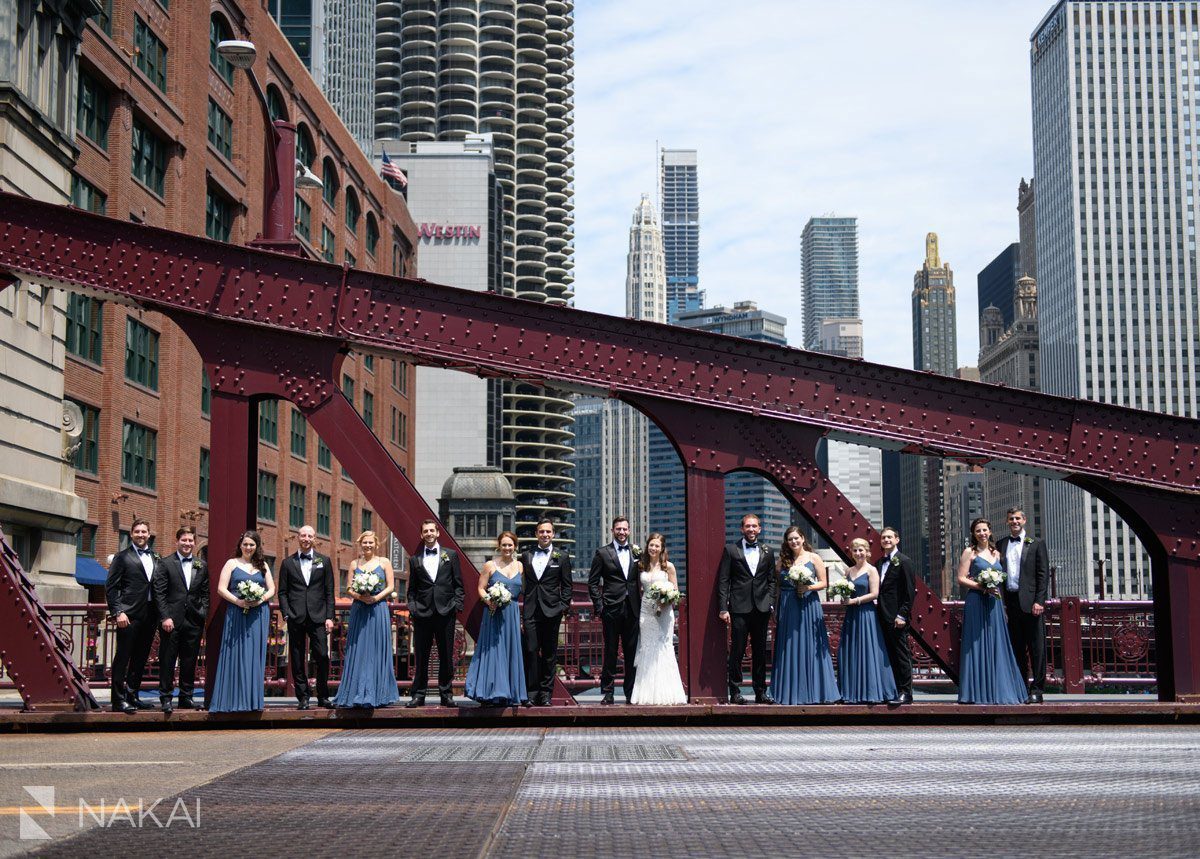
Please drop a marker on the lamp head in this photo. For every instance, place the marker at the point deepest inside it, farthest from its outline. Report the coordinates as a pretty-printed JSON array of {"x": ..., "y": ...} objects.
[
  {"x": 305, "y": 178},
  {"x": 237, "y": 53}
]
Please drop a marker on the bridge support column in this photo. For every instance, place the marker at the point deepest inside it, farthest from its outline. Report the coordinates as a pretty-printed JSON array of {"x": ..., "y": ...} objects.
[{"x": 706, "y": 647}]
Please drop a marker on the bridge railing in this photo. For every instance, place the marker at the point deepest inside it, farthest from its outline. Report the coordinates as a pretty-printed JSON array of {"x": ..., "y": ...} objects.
[{"x": 1090, "y": 645}]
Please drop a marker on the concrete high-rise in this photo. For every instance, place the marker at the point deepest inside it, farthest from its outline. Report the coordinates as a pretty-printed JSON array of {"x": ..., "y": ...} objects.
[
  {"x": 453, "y": 68},
  {"x": 935, "y": 348},
  {"x": 679, "y": 197},
  {"x": 1114, "y": 90},
  {"x": 336, "y": 41},
  {"x": 829, "y": 265},
  {"x": 1027, "y": 229}
]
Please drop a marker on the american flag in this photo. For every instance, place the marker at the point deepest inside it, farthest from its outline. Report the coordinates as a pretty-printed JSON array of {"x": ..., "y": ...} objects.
[{"x": 391, "y": 171}]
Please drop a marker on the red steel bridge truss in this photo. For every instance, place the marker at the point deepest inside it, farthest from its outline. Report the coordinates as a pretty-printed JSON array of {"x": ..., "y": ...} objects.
[{"x": 273, "y": 326}]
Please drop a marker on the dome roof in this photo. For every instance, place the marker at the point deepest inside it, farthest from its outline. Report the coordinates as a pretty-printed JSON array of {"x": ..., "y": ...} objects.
[{"x": 477, "y": 482}]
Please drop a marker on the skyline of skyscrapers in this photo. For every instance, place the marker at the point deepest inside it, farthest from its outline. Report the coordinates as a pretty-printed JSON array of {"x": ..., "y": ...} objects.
[{"x": 1114, "y": 89}]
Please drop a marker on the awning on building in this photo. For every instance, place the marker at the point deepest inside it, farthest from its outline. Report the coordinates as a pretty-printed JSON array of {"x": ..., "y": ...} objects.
[{"x": 90, "y": 572}]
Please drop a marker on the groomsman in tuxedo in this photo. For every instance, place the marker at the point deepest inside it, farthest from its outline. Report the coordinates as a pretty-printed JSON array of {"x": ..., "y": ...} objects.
[
  {"x": 306, "y": 599},
  {"x": 435, "y": 597},
  {"x": 616, "y": 591},
  {"x": 131, "y": 607},
  {"x": 547, "y": 595},
  {"x": 1027, "y": 566},
  {"x": 180, "y": 587},
  {"x": 897, "y": 587},
  {"x": 747, "y": 588}
]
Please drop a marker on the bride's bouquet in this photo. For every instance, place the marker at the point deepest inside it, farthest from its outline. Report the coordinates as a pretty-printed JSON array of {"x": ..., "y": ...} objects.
[
  {"x": 663, "y": 594},
  {"x": 991, "y": 579},
  {"x": 250, "y": 592},
  {"x": 842, "y": 589},
  {"x": 497, "y": 597},
  {"x": 801, "y": 576},
  {"x": 367, "y": 584}
]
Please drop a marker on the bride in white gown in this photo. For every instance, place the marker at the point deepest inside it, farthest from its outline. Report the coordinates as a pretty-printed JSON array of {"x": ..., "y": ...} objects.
[{"x": 657, "y": 679}]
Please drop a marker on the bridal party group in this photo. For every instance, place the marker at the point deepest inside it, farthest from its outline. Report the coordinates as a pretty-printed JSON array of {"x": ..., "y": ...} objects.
[{"x": 634, "y": 593}]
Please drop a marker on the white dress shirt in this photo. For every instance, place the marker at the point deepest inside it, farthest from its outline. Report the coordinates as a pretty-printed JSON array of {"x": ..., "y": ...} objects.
[
  {"x": 306, "y": 562},
  {"x": 147, "y": 559},
  {"x": 541, "y": 559},
  {"x": 624, "y": 557},
  {"x": 751, "y": 553},
  {"x": 186, "y": 565},
  {"x": 1013, "y": 559},
  {"x": 431, "y": 562},
  {"x": 885, "y": 566}
]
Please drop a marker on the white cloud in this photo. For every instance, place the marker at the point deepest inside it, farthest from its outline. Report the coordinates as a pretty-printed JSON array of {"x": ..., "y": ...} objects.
[{"x": 914, "y": 117}]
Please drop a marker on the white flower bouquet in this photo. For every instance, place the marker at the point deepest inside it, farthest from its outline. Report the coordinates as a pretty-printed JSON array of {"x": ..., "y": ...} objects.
[
  {"x": 251, "y": 592},
  {"x": 497, "y": 597},
  {"x": 801, "y": 576},
  {"x": 842, "y": 589},
  {"x": 991, "y": 579},
  {"x": 365, "y": 583},
  {"x": 663, "y": 594}
]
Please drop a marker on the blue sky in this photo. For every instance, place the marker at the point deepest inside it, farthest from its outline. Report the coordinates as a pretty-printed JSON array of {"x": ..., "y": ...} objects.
[{"x": 912, "y": 116}]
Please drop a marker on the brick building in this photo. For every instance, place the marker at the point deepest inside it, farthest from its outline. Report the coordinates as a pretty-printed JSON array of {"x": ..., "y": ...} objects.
[{"x": 171, "y": 135}]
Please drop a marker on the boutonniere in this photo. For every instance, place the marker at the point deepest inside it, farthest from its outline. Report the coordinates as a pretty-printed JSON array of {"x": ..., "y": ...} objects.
[
  {"x": 894, "y": 563},
  {"x": 1028, "y": 539},
  {"x": 445, "y": 556},
  {"x": 557, "y": 556},
  {"x": 317, "y": 564},
  {"x": 636, "y": 550}
]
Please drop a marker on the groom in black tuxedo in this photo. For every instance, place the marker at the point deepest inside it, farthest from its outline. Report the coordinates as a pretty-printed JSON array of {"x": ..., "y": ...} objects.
[
  {"x": 306, "y": 599},
  {"x": 132, "y": 608},
  {"x": 747, "y": 588},
  {"x": 1027, "y": 568},
  {"x": 547, "y": 595},
  {"x": 180, "y": 586},
  {"x": 435, "y": 597},
  {"x": 615, "y": 587},
  {"x": 897, "y": 588}
]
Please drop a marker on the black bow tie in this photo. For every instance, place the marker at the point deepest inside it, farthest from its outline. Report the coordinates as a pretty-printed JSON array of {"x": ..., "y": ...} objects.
[
  {"x": 185, "y": 559},
  {"x": 431, "y": 551},
  {"x": 541, "y": 551},
  {"x": 750, "y": 546},
  {"x": 306, "y": 557},
  {"x": 622, "y": 548},
  {"x": 145, "y": 551}
]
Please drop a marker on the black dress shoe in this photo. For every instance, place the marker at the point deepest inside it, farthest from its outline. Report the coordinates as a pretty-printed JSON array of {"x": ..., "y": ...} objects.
[
  {"x": 902, "y": 698},
  {"x": 167, "y": 708},
  {"x": 544, "y": 699},
  {"x": 607, "y": 700},
  {"x": 764, "y": 698},
  {"x": 737, "y": 698},
  {"x": 186, "y": 704},
  {"x": 123, "y": 707},
  {"x": 1035, "y": 697},
  {"x": 303, "y": 704},
  {"x": 142, "y": 705},
  {"x": 448, "y": 701},
  {"x": 416, "y": 702},
  {"x": 325, "y": 702}
]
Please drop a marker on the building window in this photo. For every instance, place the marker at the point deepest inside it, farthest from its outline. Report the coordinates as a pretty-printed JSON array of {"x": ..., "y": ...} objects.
[
  {"x": 327, "y": 246},
  {"x": 268, "y": 421},
  {"x": 347, "y": 524},
  {"x": 104, "y": 19},
  {"x": 266, "y": 496},
  {"x": 151, "y": 53},
  {"x": 220, "y": 129},
  {"x": 85, "y": 324},
  {"x": 366, "y": 519},
  {"x": 86, "y": 196},
  {"x": 278, "y": 110},
  {"x": 329, "y": 179},
  {"x": 403, "y": 439},
  {"x": 306, "y": 150},
  {"x": 149, "y": 158},
  {"x": 400, "y": 376},
  {"x": 351, "y": 260},
  {"x": 141, "y": 354},
  {"x": 369, "y": 363},
  {"x": 372, "y": 234},
  {"x": 299, "y": 434},
  {"x": 205, "y": 394},
  {"x": 353, "y": 211},
  {"x": 303, "y": 219},
  {"x": 218, "y": 32},
  {"x": 348, "y": 388},
  {"x": 323, "y": 502},
  {"x": 395, "y": 425},
  {"x": 296, "y": 505},
  {"x": 203, "y": 491},
  {"x": 324, "y": 457},
  {"x": 368, "y": 411},
  {"x": 92, "y": 112},
  {"x": 85, "y": 541},
  {"x": 218, "y": 217},
  {"x": 87, "y": 458},
  {"x": 139, "y": 449}
]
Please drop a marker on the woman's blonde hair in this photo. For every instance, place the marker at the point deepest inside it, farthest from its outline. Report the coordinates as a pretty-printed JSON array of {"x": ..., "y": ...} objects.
[
  {"x": 859, "y": 541},
  {"x": 364, "y": 535}
]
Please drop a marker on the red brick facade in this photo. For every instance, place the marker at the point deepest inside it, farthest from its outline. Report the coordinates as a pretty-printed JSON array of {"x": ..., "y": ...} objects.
[{"x": 195, "y": 168}]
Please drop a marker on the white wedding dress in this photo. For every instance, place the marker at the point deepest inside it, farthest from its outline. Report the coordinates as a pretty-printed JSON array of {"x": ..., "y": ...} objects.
[{"x": 657, "y": 680}]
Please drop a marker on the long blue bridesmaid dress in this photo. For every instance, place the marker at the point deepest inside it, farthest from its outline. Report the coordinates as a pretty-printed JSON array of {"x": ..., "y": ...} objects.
[
  {"x": 802, "y": 671},
  {"x": 242, "y": 668},
  {"x": 987, "y": 671},
  {"x": 866, "y": 671},
  {"x": 497, "y": 672},
  {"x": 369, "y": 670}
]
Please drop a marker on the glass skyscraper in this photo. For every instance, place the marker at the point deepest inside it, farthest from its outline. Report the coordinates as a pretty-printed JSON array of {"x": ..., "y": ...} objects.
[
  {"x": 829, "y": 264},
  {"x": 679, "y": 196}
]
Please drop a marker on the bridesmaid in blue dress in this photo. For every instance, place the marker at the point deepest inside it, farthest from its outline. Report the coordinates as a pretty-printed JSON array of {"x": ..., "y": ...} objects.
[
  {"x": 863, "y": 664},
  {"x": 497, "y": 673},
  {"x": 802, "y": 671},
  {"x": 242, "y": 665},
  {"x": 987, "y": 669},
  {"x": 369, "y": 668}
]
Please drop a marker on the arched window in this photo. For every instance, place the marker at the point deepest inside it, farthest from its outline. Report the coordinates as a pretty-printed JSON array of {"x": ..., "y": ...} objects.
[
  {"x": 276, "y": 106},
  {"x": 330, "y": 178},
  {"x": 306, "y": 150},
  {"x": 353, "y": 211},
  {"x": 218, "y": 31},
  {"x": 372, "y": 233}
]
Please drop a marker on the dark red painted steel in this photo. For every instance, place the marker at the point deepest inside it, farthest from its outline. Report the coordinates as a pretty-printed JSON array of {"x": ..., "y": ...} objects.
[{"x": 775, "y": 390}]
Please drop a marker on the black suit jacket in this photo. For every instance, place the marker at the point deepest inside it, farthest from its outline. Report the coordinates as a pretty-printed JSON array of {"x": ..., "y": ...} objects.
[
  {"x": 172, "y": 596},
  {"x": 607, "y": 585},
  {"x": 315, "y": 601},
  {"x": 738, "y": 592},
  {"x": 428, "y": 597},
  {"x": 1034, "y": 573},
  {"x": 896, "y": 592},
  {"x": 127, "y": 587},
  {"x": 551, "y": 594}
]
